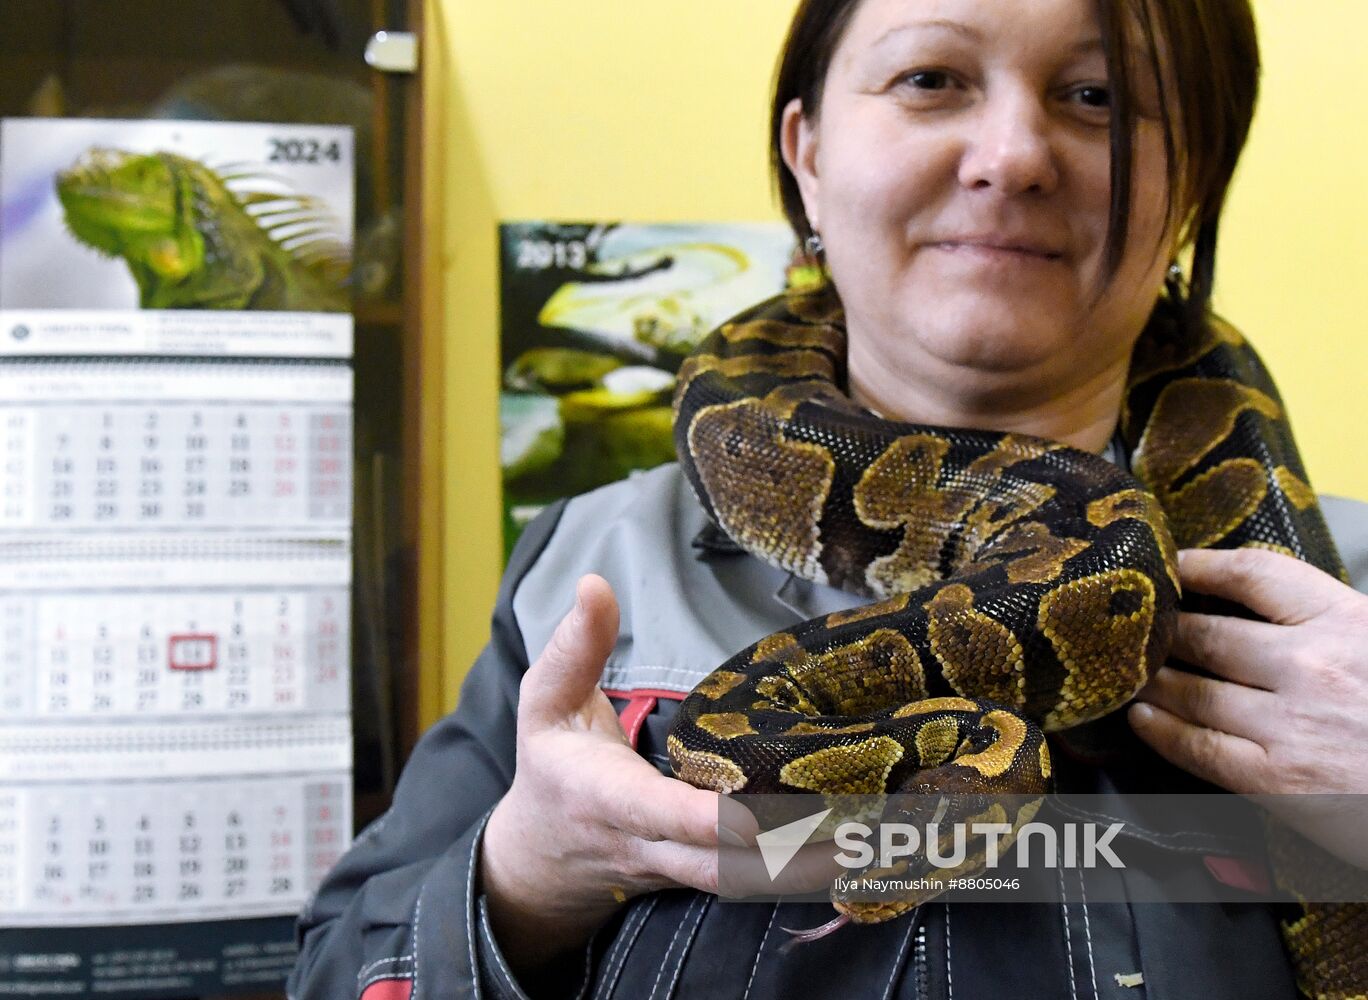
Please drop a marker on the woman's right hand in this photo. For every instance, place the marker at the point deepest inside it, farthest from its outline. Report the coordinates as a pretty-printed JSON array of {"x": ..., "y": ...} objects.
[{"x": 587, "y": 822}]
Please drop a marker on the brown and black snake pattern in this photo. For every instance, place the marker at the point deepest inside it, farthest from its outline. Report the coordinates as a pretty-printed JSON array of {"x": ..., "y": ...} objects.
[{"x": 1018, "y": 584}]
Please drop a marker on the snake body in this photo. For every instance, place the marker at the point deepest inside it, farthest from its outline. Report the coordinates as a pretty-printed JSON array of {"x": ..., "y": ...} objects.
[{"x": 1018, "y": 585}]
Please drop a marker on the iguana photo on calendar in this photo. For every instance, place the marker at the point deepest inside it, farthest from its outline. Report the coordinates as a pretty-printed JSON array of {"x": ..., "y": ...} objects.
[
  {"x": 116, "y": 215},
  {"x": 192, "y": 242}
]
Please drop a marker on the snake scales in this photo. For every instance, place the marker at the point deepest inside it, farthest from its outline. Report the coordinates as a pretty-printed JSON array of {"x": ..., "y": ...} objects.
[{"x": 1018, "y": 584}]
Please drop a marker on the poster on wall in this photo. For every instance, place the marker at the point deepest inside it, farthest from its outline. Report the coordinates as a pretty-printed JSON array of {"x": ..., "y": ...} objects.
[
  {"x": 595, "y": 321},
  {"x": 175, "y": 549}
]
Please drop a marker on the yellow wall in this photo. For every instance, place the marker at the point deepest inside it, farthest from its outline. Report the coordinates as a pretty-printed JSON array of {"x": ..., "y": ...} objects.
[
  {"x": 1294, "y": 250},
  {"x": 610, "y": 109}
]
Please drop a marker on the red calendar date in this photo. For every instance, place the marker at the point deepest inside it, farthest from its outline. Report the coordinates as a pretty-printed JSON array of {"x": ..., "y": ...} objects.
[{"x": 192, "y": 651}]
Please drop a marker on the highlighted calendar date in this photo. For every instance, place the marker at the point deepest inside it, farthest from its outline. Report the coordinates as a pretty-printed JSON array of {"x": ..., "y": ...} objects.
[{"x": 192, "y": 651}]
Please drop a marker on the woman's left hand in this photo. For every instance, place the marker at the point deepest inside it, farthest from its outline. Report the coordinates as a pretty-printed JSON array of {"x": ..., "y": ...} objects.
[{"x": 1286, "y": 710}]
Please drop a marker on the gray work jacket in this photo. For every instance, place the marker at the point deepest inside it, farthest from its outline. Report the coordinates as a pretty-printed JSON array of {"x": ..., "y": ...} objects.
[{"x": 401, "y": 917}]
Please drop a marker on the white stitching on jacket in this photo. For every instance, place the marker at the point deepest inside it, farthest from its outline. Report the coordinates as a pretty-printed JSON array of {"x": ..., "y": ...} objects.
[
  {"x": 1087, "y": 931},
  {"x": 612, "y": 955},
  {"x": 618, "y": 953},
  {"x": 620, "y": 947},
  {"x": 949, "y": 974},
  {"x": 760, "y": 951},
  {"x": 487, "y": 934},
  {"x": 588, "y": 969},
  {"x": 702, "y": 912},
  {"x": 1068, "y": 937},
  {"x": 470, "y": 913},
  {"x": 382, "y": 976},
  {"x": 902, "y": 953},
  {"x": 381, "y": 961},
  {"x": 671, "y": 945},
  {"x": 652, "y": 675},
  {"x": 417, "y": 918},
  {"x": 703, "y": 901}
]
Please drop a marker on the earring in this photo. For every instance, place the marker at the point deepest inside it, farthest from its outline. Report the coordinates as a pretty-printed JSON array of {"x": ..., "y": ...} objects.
[
  {"x": 814, "y": 246},
  {"x": 1173, "y": 283}
]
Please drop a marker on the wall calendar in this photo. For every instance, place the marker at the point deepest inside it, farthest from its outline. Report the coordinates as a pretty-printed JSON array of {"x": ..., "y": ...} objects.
[{"x": 175, "y": 551}]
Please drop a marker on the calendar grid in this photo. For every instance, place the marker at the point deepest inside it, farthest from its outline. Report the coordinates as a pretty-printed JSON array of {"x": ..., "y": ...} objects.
[
  {"x": 175, "y": 616},
  {"x": 238, "y": 846},
  {"x": 151, "y": 467},
  {"x": 201, "y": 653}
]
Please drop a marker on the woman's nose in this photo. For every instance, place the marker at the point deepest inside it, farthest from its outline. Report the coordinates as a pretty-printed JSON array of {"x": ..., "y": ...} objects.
[{"x": 1009, "y": 147}]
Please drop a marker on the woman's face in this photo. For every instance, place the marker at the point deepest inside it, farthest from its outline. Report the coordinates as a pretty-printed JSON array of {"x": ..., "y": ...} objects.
[{"x": 958, "y": 171}]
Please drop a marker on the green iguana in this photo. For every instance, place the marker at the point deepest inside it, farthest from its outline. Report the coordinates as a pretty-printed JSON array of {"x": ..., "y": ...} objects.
[{"x": 191, "y": 243}]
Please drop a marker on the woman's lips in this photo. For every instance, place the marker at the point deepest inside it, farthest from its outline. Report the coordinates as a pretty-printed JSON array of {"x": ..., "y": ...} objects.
[{"x": 993, "y": 252}]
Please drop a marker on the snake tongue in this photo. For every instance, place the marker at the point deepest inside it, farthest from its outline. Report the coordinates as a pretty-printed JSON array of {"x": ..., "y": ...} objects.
[{"x": 812, "y": 933}]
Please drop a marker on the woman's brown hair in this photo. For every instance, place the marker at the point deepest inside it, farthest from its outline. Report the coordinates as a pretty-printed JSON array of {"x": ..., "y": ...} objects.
[{"x": 1206, "y": 105}]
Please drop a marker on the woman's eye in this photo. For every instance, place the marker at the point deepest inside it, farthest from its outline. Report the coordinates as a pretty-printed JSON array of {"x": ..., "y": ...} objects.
[
  {"x": 1094, "y": 96},
  {"x": 927, "y": 79}
]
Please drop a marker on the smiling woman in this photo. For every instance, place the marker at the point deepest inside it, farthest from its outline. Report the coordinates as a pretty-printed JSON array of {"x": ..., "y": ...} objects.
[
  {"x": 1017, "y": 205},
  {"x": 959, "y": 166}
]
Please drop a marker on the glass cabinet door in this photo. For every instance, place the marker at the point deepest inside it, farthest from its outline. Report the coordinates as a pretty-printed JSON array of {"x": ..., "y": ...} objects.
[{"x": 285, "y": 63}]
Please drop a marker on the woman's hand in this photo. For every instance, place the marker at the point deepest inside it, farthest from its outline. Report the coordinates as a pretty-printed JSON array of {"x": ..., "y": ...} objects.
[
  {"x": 1287, "y": 709},
  {"x": 587, "y": 822}
]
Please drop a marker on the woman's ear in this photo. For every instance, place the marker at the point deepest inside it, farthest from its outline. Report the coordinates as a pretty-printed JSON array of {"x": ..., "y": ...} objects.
[{"x": 798, "y": 145}]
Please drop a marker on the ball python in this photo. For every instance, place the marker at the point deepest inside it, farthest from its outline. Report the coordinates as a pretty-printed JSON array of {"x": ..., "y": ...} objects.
[{"x": 1017, "y": 585}]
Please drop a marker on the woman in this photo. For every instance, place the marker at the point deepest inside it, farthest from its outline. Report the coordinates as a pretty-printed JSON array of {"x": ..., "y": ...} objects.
[{"x": 958, "y": 160}]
